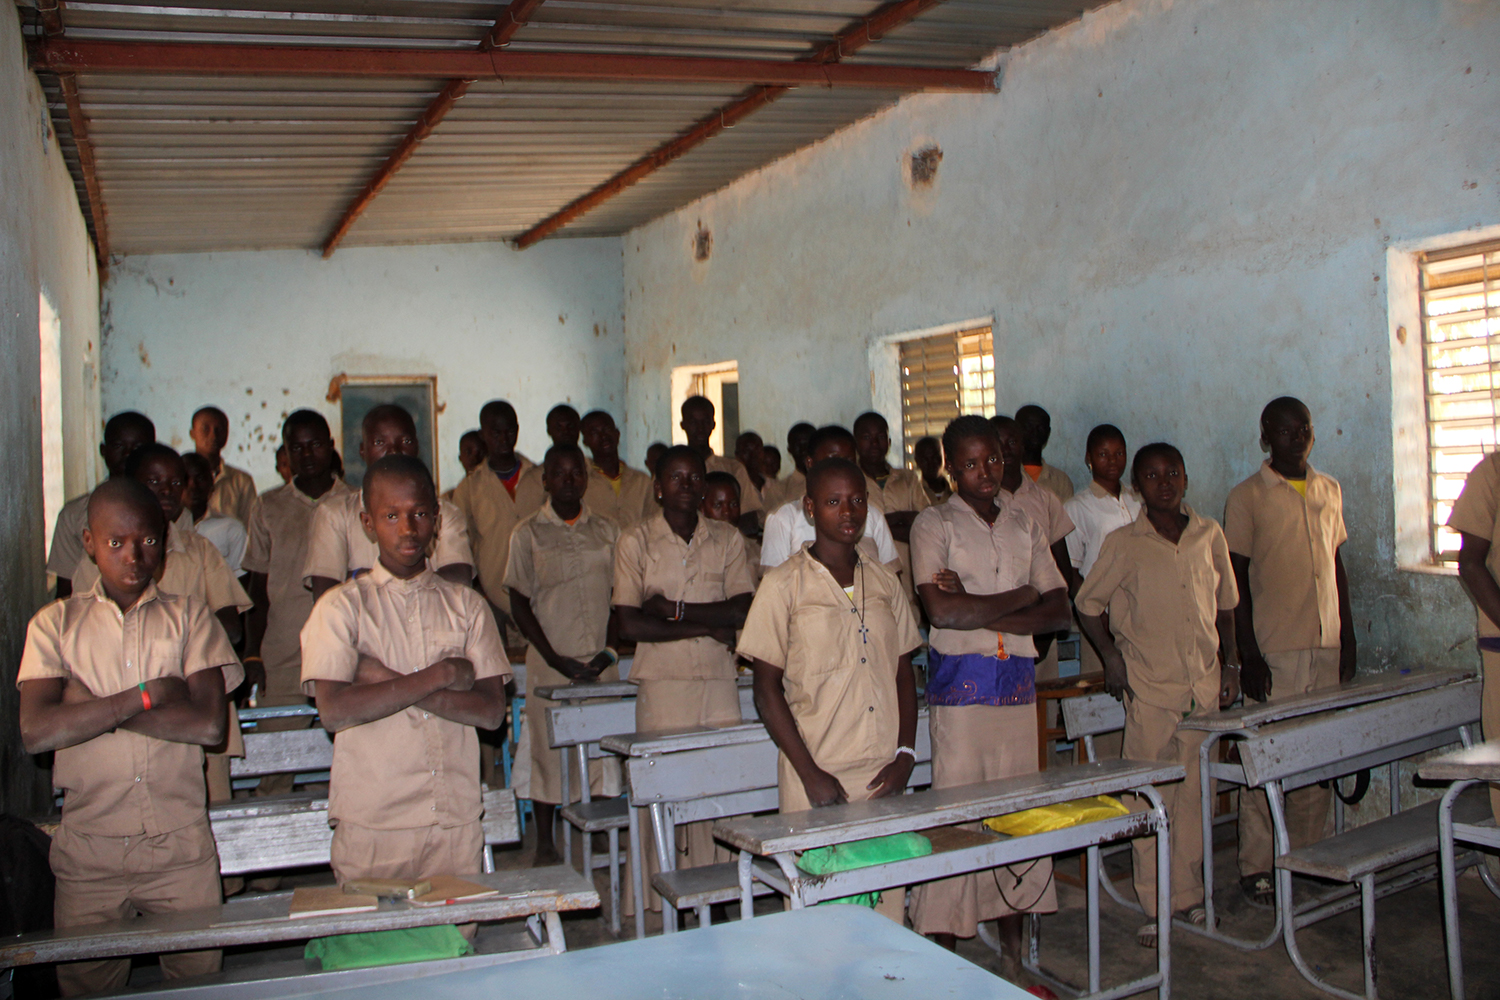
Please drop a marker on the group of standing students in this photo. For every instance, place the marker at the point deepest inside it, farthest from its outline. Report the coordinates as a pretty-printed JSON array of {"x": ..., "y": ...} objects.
[{"x": 387, "y": 606}]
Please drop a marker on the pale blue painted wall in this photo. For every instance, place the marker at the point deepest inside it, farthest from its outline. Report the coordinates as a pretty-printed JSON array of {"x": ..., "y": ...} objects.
[{"x": 1175, "y": 209}]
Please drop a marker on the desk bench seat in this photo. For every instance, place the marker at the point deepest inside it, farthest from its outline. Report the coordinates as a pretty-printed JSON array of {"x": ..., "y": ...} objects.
[
  {"x": 598, "y": 815},
  {"x": 1394, "y": 840},
  {"x": 700, "y": 888}
]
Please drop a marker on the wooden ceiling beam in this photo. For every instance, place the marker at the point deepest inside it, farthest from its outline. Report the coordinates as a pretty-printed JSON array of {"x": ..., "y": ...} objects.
[{"x": 78, "y": 124}]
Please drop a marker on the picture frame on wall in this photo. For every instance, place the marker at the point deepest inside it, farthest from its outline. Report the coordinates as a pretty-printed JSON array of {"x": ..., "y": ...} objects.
[{"x": 359, "y": 394}]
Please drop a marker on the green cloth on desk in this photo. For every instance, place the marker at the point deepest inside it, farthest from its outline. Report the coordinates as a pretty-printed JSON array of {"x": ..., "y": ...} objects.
[
  {"x": 863, "y": 854},
  {"x": 411, "y": 944}
]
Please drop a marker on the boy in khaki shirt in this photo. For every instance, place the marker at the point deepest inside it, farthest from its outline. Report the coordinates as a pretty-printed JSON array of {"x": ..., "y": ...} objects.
[
  {"x": 1035, "y": 424},
  {"x": 404, "y": 666},
  {"x": 1295, "y": 628},
  {"x": 698, "y": 423},
  {"x": 123, "y": 434},
  {"x": 831, "y": 637},
  {"x": 682, "y": 588},
  {"x": 721, "y": 502},
  {"x": 562, "y": 561},
  {"x": 616, "y": 491},
  {"x": 1476, "y": 517},
  {"x": 1169, "y": 589},
  {"x": 127, "y": 684},
  {"x": 234, "y": 489},
  {"x": 338, "y": 546},
  {"x": 897, "y": 493}
]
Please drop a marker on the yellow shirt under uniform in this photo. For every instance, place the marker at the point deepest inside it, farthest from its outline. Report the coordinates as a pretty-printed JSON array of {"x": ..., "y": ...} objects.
[
  {"x": 626, "y": 500},
  {"x": 493, "y": 514},
  {"x": 339, "y": 547}
]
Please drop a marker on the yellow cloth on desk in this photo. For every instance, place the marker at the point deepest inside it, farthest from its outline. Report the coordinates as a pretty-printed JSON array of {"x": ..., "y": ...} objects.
[{"x": 1058, "y": 817}]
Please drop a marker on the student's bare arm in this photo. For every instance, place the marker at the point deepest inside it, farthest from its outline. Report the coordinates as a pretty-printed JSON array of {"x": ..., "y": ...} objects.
[
  {"x": 320, "y": 585},
  {"x": 637, "y": 626},
  {"x": 822, "y": 788},
  {"x": 1065, "y": 566},
  {"x": 230, "y": 620},
  {"x": 960, "y": 610},
  {"x": 1051, "y": 613},
  {"x": 1229, "y": 655},
  {"x": 892, "y": 779},
  {"x": 899, "y": 521},
  {"x": 1347, "y": 646},
  {"x": 482, "y": 707},
  {"x": 459, "y": 573},
  {"x": 255, "y": 630},
  {"x": 1116, "y": 677},
  {"x": 201, "y": 719},
  {"x": 1255, "y": 672},
  {"x": 56, "y": 713},
  {"x": 531, "y": 628},
  {"x": 341, "y": 704}
]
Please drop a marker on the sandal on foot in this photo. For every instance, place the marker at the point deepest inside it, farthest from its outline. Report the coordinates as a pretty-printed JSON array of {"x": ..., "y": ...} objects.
[
  {"x": 1196, "y": 916},
  {"x": 1259, "y": 889},
  {"x": 1145, "y": 936}
]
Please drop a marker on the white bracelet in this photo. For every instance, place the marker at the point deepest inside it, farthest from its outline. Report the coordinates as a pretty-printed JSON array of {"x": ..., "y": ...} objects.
[{"x": 907, "y": 750}]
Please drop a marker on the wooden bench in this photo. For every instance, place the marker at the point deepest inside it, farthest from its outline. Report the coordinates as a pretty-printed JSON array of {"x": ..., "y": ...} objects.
[
  {"x": 528, "y": 893},
  {"x": 701, "y": 773},
  {"x": 1297, "y": 752},
  {"x": 934, "y": 812}
]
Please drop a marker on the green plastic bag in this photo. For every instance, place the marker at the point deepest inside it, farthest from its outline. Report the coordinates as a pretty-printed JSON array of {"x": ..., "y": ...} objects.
[
  {"x": 863, "y": 854},
  {"x": 411, "y": 944}
]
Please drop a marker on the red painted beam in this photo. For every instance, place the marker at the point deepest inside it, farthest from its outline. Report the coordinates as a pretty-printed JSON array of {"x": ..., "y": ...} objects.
[
  {"x": 853, "y": 38},
  {"x": 215, "y": 60},
  {"x": 78, "y": 123}
]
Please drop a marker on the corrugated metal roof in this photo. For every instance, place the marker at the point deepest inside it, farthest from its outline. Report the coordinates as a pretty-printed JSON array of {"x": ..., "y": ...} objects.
[{"x": 221, "y": 163}]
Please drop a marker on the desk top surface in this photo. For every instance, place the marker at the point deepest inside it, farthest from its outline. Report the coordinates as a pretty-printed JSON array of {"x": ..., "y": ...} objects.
[
  {"x": 1477, "y": 763},
  {"x": 801, "y": 831},
  {"x": 1375, "y": 687}
]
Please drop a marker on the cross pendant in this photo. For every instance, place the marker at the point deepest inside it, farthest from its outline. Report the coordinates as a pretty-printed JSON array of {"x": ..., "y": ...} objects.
[{"x": 864, "y": 633}]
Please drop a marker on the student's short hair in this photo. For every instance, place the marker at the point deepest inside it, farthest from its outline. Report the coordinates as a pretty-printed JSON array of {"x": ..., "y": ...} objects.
[
  {"x": 871, "y": 416},
  {"x": 771, "y": 449},
  {"x": 397, "y": 466},
  {"x": 1284, "y": 404},
  {"x": 831, "y": 467},
  {"x": 562, "y": 409},
  {"x": 697, "y": 402},
  {"x": 597, "y": 415},
  {"x": 800, "y": 427},
  {"x": 210, "y": 411},
  {"x": 559, "y": 450},
  {"x": 125, "y": 491},
  {"x": 386, "y": 411},
  {"x": 748, "y": 434},
  {"x": 649, "y": 448},
  {"x": 146, "y": 453},
  {"x": 833, "y": 432},
  {"x": 497, "y": 408},
  {"x": 196, "y": 464},
  {"x": 675, "y": 452},
  {"x": 722, "y": 479},
  {"x": 1155, "y": 449},
  {"x": 1031, "y": 409},
  {"x": 963, "y": 428},
  {"x": 305, "y": 418},
  {"x": 1000, "y": 420},
  {"x": 928, "y": 442},
  {"x": 1102, "y": 433},
  {"x": 129, "y": 420}
]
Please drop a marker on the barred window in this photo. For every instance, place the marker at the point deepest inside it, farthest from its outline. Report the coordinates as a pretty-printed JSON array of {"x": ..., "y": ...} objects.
[{"x": 942, "y": 377}]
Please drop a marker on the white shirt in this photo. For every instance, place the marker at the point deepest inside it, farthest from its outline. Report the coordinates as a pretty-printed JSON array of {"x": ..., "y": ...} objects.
[
  {"x": 228, "y": 536},
  {"x": 788, "y": 527},
  {"x": 1095, "y": 514}
]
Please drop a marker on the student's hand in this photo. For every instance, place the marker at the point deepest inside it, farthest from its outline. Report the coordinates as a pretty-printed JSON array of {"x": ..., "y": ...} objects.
[
  {"x": 1229, "y": 685},
  {"x": 1117, "y": 677},
  {"x": 1347, "y": 660},
  {"x": 574, "y": 670},
  {"x": 463, "y": 673},
  {"x": 892, "y": 778},
  {"x": 1255, "y": 676},
  {"x": 255, "y": 675},
  {"x": 167, "y": 691},
  {"x": 725, "y": 635},
  {"x": 948, "y": 582},
  {"x": 372, "y": 671},
  {"x": 659, "y": 606},
  {"x": 823, "y": 789},
  {"x": 600, "y": 663}
]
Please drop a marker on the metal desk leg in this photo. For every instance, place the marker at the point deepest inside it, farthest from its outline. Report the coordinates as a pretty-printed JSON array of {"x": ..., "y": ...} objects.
[
  {"x": 1286, "y": 911},
  {"x": 1206, "y": 805},
  {"x": 1092, "y": 854},
  {"x": 1367, "y": 924},
  {"x": 664, "y": 833},
  {"x": 556, "y": 942},
  {"x": 584, "y": 796},
  {"x": 637, "y": 870},
  {"x": 567, "y": 828},
  {"x": 1163, "y": 891},
  {"x": 788, "y": 865},
  {"x": 747, "y": 893},
  {"x": 614, "y": 880},
  {"x": 1450, "y": 888}
]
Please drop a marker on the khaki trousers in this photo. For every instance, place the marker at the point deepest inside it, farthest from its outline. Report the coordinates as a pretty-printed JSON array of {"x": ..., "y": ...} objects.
[
  {"x": 112, "y": 878},
  {"x": 1489, "y": 714},
  {"x": 1307, "y": 809},
  {"x": 546, "y": 760},
  {"x": 973, "y": 743},
  {"x": 675, "y": 705},
  {"x": 415, "y": 853},
  {"x": 1106, "y": 745},
  {"x": 1151, "y": 733}
]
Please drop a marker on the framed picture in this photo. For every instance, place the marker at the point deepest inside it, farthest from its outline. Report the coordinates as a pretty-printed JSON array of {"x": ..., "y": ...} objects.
[{"x": 359, "y": 394}]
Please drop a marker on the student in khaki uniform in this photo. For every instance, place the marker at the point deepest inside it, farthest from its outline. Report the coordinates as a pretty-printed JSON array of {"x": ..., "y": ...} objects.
[
  {"x": 1295, "y": 628},
  {"x": 563, "y": 427},
  {"x": 1476, "y": 517},
  {"x": 927, "y": 454},
  {"x": 234, "y": 489},
  {"x": 798, "y": 447},
  {"x": 698, "y": 423},
  {"x": 224, "y": 532},
  {"x": 836, "y": 688},
  {"x": 1036, "y": 430},
  {"x": 279, "y": 530},
  {"x": 616, "y": 491},
  {"x": 989, "y": 583},
  {"x": 128, "y": 685},
  {"x": 770, "y": 462},
  {"x": 494, "y": 502},
  {"x": 654, "y": 451},
  {"x": 896, "y": 492},
  {"x": 471, "y": 451},
  {"x": 283, "y": 464},
  {"x": 788, "y": 526},
  {"x": 1168, "y": 587},
  {"x": 682, "y": 588},
  {"x": 750, "y": 451},
  {"x": 562, "y": 566},
  {"x": 721, "y": 502},
  {"x": 123, "y": 434},
  {"x": 404, "y": 666},
  {"x": 338, "y": 546}
]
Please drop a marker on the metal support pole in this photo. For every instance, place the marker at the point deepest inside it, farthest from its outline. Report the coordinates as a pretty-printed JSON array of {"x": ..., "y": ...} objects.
[{"x": 1450, "y": 889}]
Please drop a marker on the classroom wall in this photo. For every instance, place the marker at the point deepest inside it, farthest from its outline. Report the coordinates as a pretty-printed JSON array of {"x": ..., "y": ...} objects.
[
  {"x": 1174, "y": 209},
  {"x": 260, "y": 334},
  {"x": 44, "y": 246}
]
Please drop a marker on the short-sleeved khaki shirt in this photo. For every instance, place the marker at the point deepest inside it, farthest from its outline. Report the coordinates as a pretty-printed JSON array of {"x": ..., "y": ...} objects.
[
  {"x": 1054, "y": 481},
  {"x": 493, "y": 514},
  {"x": 1044, "y": 507},
  {"x": 1476, "y": 512},
  {"x": 338, "y": 545},
  {"x": 634, "y": 502},
  {"x": 567, "y": 572},
  {"x": 234, "y": 493},
  {"x": 413, "y": 768},
  {"x": 902, "y": 491},
  {"x": 839, "y": 655},
  {"x": 1290, "y": 542},
  {"x": 121, "y": 783},
  {"x": 192, "y": 566},
  {"x": 652, "y": 559},
  {"x": 280, "y": 528},
  {"x": 750, "y": 498},
  {"x": 1163, "y": 602},
  {"x": 67, "y": 537},
  {"x": 988, "y": 558}
]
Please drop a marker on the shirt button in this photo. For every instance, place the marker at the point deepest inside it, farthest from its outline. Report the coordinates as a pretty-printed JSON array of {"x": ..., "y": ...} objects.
[
  {"x": 434, "y": 772},
  {"x": 861, "y": 659},
  {"x": 872, "y": 708},
  {"x": 137, "y": 777}
]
